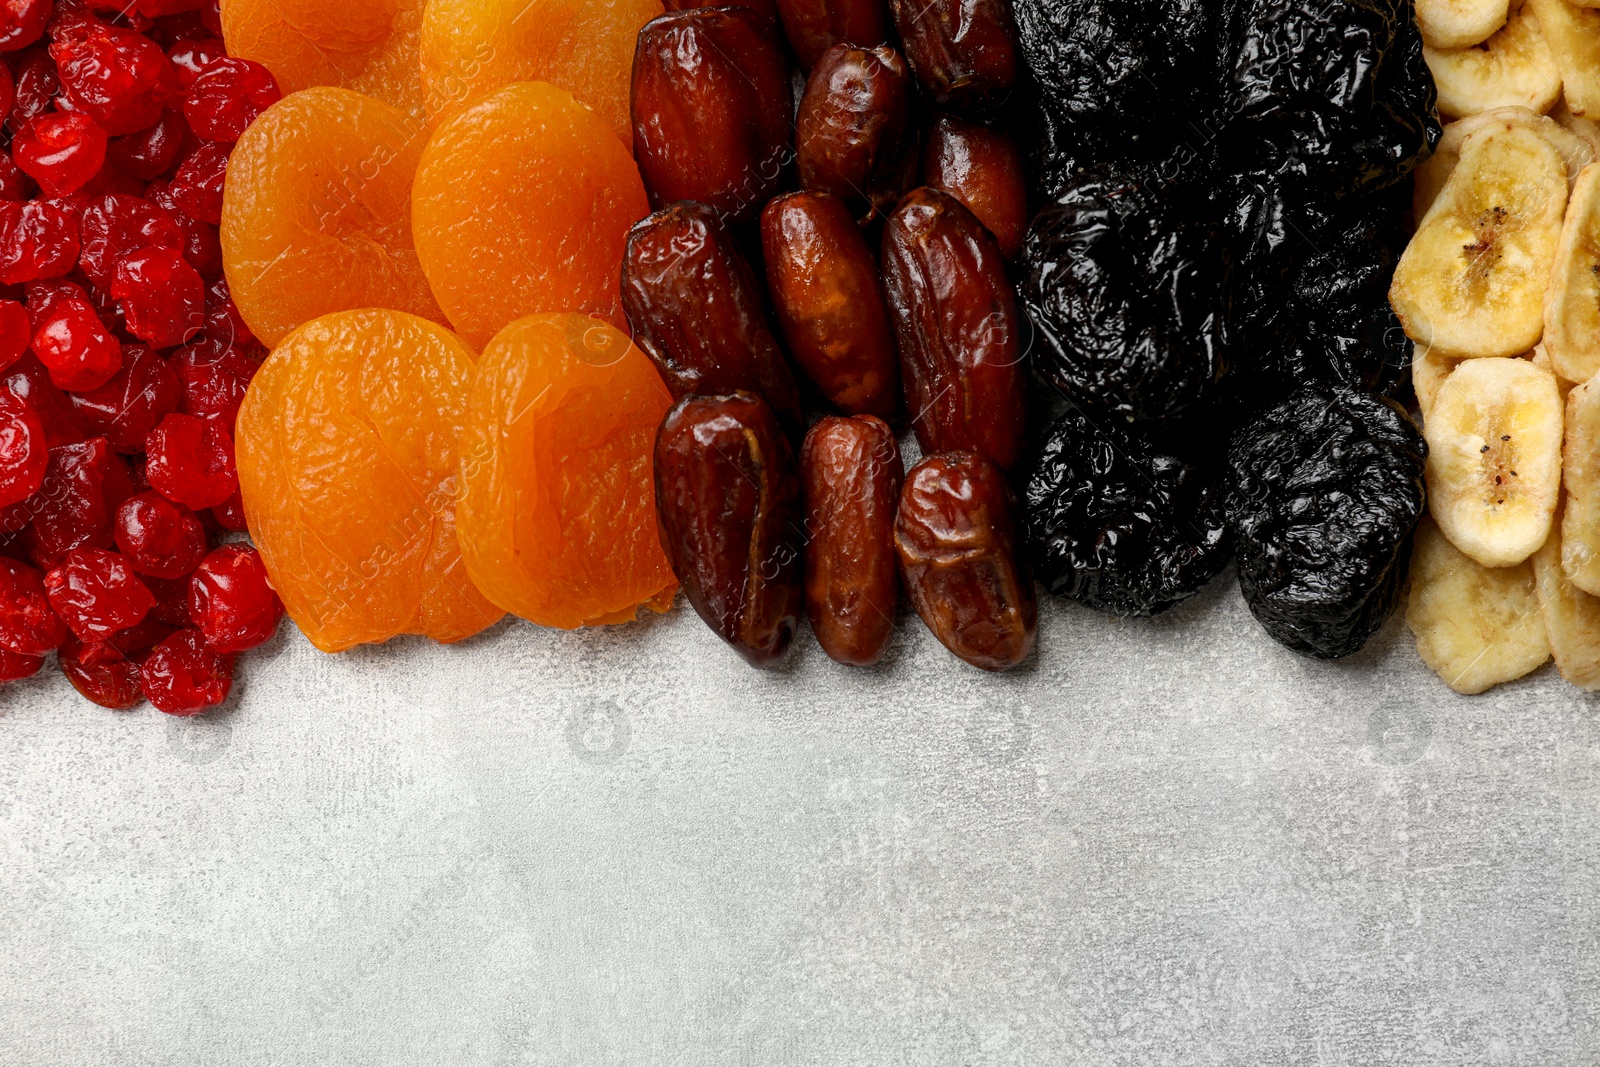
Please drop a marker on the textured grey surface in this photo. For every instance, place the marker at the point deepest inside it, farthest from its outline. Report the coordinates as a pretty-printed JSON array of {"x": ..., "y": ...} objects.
[{"x": 1162, "y": 843}]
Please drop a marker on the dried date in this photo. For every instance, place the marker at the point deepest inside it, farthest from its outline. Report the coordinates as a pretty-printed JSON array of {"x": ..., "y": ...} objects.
[
  {"x": 825, "y": 290},
  {"x": 728, "y": 499},
  {"x": 851, "y": 473},
  {"x": 696, "y": 310},
  {"x": 814, "y": 26},
  {"x": 957, "y": 537},
  {"x": 964, "y": 52},
  {"x": 854, "y": 133},
  {"x": 712, "y": 107},
  {"x": 955, "y": 317},
  {"x": 981, "y": 167}
]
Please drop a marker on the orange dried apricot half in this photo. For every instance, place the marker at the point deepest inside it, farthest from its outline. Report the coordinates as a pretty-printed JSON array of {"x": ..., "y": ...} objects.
[
  {"x": 369, "y": 46},
  {"x": 316, "y": 213},
  {"x": 557, "y": 514},
  {"x": 346, "y": 446},
  {"x": 521, "y": 206},
  {"x": 470, "y": 48}
]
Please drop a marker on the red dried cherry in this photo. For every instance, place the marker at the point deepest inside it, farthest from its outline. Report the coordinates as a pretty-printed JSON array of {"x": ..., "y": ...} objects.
[
  {"x": 230, "y": 514},
  {"x": 201, "y": 246},
  {"x": 101, "y": 673},
  {"x": 191, "y": 57},
  {"x": 231, "y": 599},
  {"x": 14, "y": 667},
  {"x": 183, "y": 675},
  {"x": 38, "y": 239},
  {"x": 223, "y": 320},
  {"x": 149, "y": 153},
  {"x": 172, "y": 600},
  {"x": 8, "y": 92},
  {"x": 29, "y": 626},
  {"x": 23, "y": 452},
  {"x": 159, "y": 538},
  {"x": 197, "y": 187},
  {"x": 190, "y": 461},
  {"x": 97, "y": 593},
  {"x": 162, "y": 297},
  {"x": 227, "y": 96},
  {"x": 115, "y": 225},
  {"x": 83, "y": 485},
  {"x": 14, "y": 185},
  {"x": 117, "y": 77},
  {"x": 60, "y": 151},
  {"x": 28, "y": 379},
  {"x": 135, "y": 400},
  {"x": 16, "y": 332},
  {"x": 215, "y": 376},
  {"x": 36, "y": 84},
  {"x": 76, "y": 347},
  {"x": 22, "y": 22}
]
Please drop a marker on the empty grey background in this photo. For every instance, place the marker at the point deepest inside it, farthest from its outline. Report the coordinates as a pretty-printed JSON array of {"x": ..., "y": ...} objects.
[{"x": 1164, "y": 842}]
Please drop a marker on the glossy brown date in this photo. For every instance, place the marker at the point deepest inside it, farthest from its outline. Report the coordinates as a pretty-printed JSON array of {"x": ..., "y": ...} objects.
[
  {"x": 854, "y": 135},
  {"x": 955, "y": 316},
  {"x": 814, "y": 26},
  {"x": 958, "y": 540},
  {"x": 765, "y": 8},
  {"x": 712, "y": 105},
  {"x": 964, "y": 52},
  {"x": 696, "y": 309},
  {"x": 981, "y": 167},
  {"x": 728, "y": 501},
  {"x": 829, "y": 302},
  {"x": 850, "y": 472}
]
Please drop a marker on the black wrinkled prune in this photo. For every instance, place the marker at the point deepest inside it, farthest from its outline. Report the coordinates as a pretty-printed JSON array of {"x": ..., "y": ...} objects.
[
  {"x": 1329, "y": 94},
  {"x": 1127, "y": 277},
  {"x": 1119, "y": 525},
  {"x": 1117, "y": 72},
  {"x": 1324, "y": 493}
]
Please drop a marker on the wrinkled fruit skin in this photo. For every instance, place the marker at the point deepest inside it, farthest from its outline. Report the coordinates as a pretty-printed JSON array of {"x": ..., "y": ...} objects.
[
  {"x": 24, "y": 454},
  {"x": 1324, "y": 492},
  {"x": 728, "y": 500},
  {"x": 965, "y": 52},
  {"x": 159, "y": 538},
  {"x": 102, "y": 674},
  {"x": 851, "y": 473},
  {"x": 697, "y": 311},
  {"x": 814, "y": 26},
  {"x": 956, "y": 320},
  {"x": 712, "y": 108},
  {"x": 1127, "y": 279},
  {"x": 191, "y": 461},
  {"x": 827, "y": 297},
  {"x": 97, "y": 593},
  {"x": 184, "y": 676},
  {"x": 29, "y": 626},
  {"x": 1117, "y": 524},
  {"x": 854, "y": 132},
  {"x": 959, "y": 543},
  {"x": 232, "y": 601},
  {"x": 981, "y": 167}
]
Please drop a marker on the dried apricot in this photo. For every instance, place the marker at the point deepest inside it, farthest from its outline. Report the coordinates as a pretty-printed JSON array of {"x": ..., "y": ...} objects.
[
  {"x": 369, "y": 46},
  {"x": 472, "y": 47},
  {"x": 347, "y": 463},
  {"x": 316, "y": 216},
  {"x": 557, "y": 509},
  {"x": 521, "y": 206}
]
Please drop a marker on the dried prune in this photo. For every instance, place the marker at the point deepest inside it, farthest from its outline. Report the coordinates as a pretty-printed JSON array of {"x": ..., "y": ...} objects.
[
  {"x": 1332, "y": 94},
  {"x": 854, "y": 132},
  {"x": 1127, "y": 276},
  {"x": 981, "y": 167},
  {"x": 1324, "y": 491},
  {"x": 728, "y": 499},
  {"x": 851, "y": 471},
  {"x": 712, "y": 109},
  {"x": 964, "y": 52},
  {"x": 696, "y": 309},
  {"x": 955, "y": 315},
  {"x": 1116, "y": 522},
  {"x": 959, "y": 541},
  {"x": 1116, "y": 73},
  {"x": 814, "y": 26},
  {"x": 826, "y": 293}
]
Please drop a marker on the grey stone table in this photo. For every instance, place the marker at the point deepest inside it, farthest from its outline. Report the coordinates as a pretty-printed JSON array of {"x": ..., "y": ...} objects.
[{"x": 1164, "y": 842}]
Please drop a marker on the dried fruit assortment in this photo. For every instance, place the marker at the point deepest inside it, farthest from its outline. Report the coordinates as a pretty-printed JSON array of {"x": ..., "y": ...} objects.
[{"x": 567, "y": 311}]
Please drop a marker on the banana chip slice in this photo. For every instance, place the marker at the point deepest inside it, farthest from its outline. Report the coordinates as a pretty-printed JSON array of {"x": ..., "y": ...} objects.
[
  {"x": 1429, "y": 369},
  {"x": 1576, "y": 151},
  {"x": 1572, "y": 301},
  {"x": 1571, "y": 618},
  {"x": 1494, "y": 458},
  {"x": 1577, "y": 124},
  {"x": 1472, "y": 280},
  {"x": 1580, "y": 519},
  {"x": 1573, "y": 37},
  {"x": 1459, "y": 23},
  {"x": 1476, "y": 626},
  {"x": 1515, "y": 66}
]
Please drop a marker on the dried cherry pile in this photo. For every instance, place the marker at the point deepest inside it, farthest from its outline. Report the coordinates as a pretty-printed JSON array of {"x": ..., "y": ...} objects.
[{"x": 123, "y": 360}]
